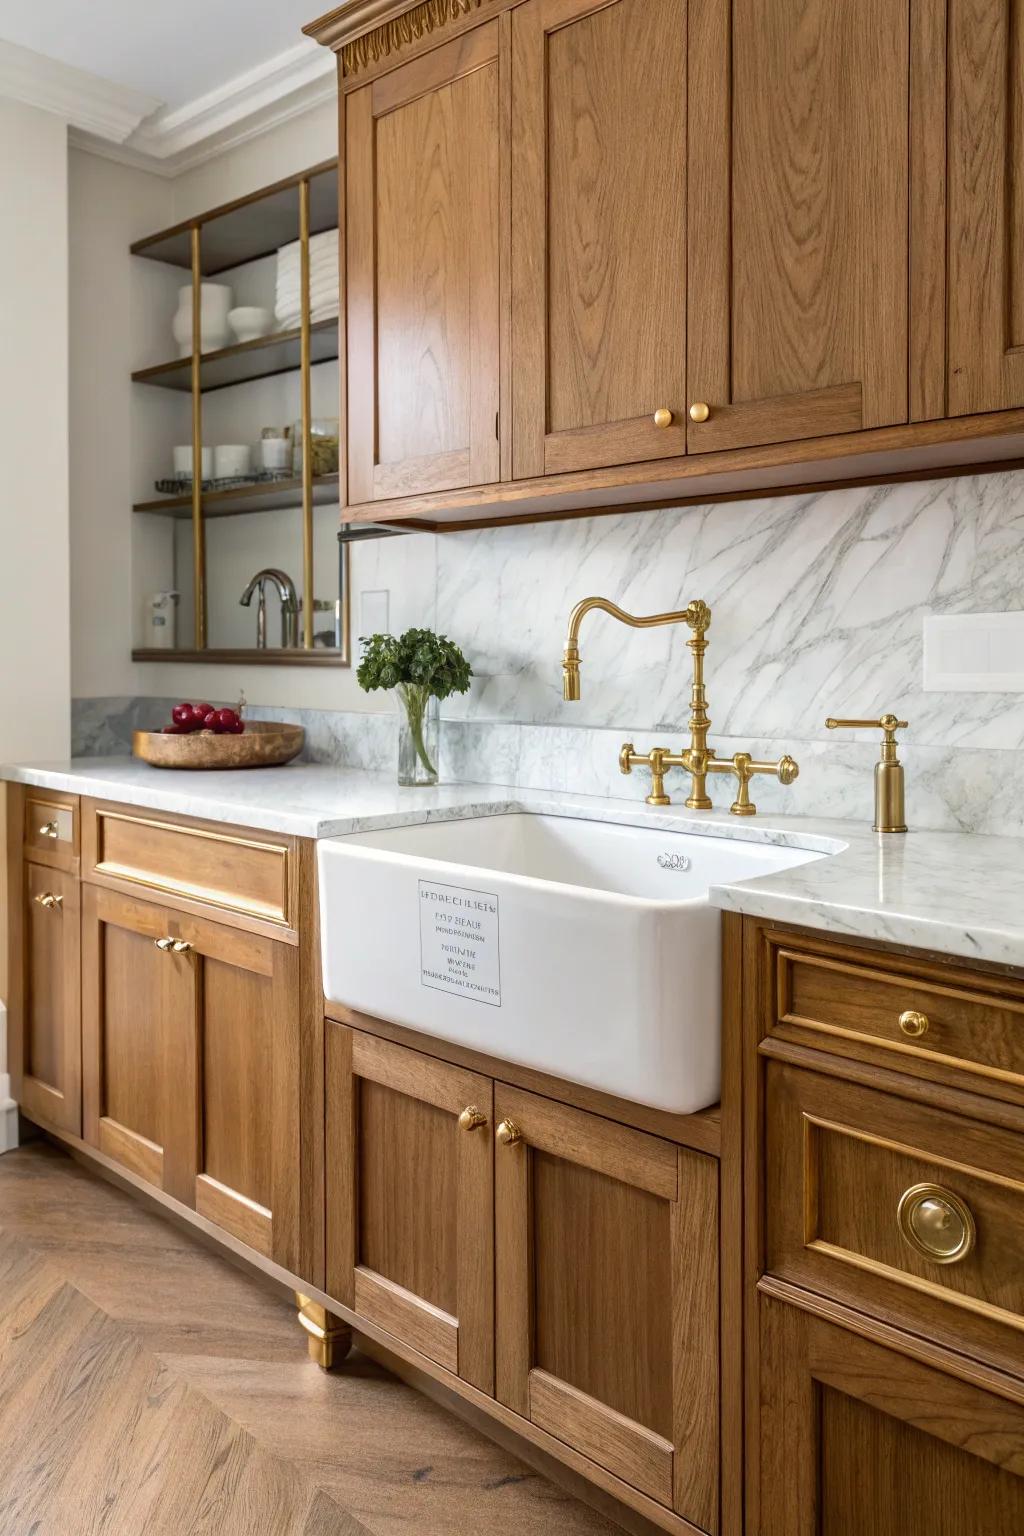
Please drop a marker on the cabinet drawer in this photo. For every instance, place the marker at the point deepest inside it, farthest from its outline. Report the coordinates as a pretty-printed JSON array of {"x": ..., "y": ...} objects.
[
  {"x": 247, "y": 873},
  {"x": 901, "y": 1016},
  {"x": 51, "y": 829},
  {"x": 897, "y": 1208}
]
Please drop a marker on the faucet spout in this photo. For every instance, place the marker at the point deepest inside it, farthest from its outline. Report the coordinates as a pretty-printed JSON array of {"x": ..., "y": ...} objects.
[{"x": 697, "y": 615}]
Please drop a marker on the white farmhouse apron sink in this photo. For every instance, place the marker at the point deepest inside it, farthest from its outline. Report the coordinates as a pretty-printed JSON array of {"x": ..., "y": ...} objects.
[{"x": 579, "y": 948}]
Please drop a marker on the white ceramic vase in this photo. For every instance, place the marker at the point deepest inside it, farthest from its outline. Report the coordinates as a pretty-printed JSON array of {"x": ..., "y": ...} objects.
[{"x": 216, "y": 302}]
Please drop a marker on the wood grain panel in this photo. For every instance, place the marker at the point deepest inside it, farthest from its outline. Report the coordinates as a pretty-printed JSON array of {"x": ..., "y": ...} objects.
[
  {"x": 697, "y": 1348},
  {"x": 615, "y": 1150},
  {"x": 598, "y": 237},
  {"x": 928, "y": 210},
  {"x": 249, "y": 873},
  {"x": 431, "y": 1330},
  {"x": 799, "y": 207},
  {"x": 238, "y": 1079},
  {"x": 423, "y": 259},
  {"x": 52, "y": 828},
  {"x": 637, "y": 1455},
  {"x": 51, "y": 1045},
  {"x": 250, "y": 1222},
  {"x": 985, "y": 162},
  {"x": 134, "y": 1059}
]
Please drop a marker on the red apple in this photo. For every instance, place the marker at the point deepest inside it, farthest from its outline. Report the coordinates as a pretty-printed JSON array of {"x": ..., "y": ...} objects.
[
  {"x": 181, "y": 714},
  {"x": 226, "y": 720}
]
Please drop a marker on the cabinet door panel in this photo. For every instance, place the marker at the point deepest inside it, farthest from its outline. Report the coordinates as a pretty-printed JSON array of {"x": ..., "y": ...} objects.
[
  {"x": 598, "y": 237},
  {"x": 986, "y": 205},
  {"x": 422, "y": 280},
  {"x": 798, "y": 269},
  {"x": 607, "y": 1297},
  {"x": 51, "y": 1085},
  {"x": 410, "y": 1236},
  {"x": 858, "y": 1438}
]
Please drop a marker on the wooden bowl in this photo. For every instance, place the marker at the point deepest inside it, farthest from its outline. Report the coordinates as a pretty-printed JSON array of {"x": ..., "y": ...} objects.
[{"x": 263, "y": 744}]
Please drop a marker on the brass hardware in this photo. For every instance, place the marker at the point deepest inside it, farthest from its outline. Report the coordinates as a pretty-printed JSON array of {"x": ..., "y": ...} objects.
[
  {"x": 698, "y": 759},
  {"x": 936, "y": 1223},
  {"x": 198, "y": 526},
  {"x": 50, "y": 901},
  {"x": 699, "y": 412},
  {"x": 165, "y": 944},
  {"x": 890, "y": 815},
  {"x": 49, "y": 829},
  {"x": 509, "y": 1134},
  {"x": 181, "y": 947},
  {"x": 663, "y": 416},
  {"x": 471, "y": 1118},
  {"x": 913, "y": 1023},
  {"x": 744, "y": 767},
  {"x": 305, "y": 397},
  {"x": 329, "y": 1338}
]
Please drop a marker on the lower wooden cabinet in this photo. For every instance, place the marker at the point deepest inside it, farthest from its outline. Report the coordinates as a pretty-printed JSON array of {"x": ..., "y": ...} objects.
[
  {"x": 190, "y": 1063},
  {"x": 607, "y": 1295},
  {"x": 51, "y": 1047},
  {"x": 858, "y": 1439},
  {"x": 410, "y": 1237}
]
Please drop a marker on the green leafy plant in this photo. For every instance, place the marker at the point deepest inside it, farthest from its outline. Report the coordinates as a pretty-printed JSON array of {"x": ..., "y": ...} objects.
[{"x": 419, "y": 665}]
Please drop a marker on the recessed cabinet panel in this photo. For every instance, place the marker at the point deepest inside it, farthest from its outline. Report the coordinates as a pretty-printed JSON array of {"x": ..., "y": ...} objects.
[
  {"x": 598, "y": 233},
  {"x": 799, "y": 205},
  {"x": 422, "y": 256},
  {"x": 51, "y": 1048},
  {"x": 985, "y": 169}
]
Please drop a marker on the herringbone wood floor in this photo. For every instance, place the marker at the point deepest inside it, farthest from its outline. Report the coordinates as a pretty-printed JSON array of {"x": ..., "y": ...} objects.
[{"x": 147, "y": 1386}]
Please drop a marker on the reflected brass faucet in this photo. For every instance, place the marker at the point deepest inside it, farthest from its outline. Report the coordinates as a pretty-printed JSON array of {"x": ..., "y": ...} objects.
[{"x": 698, "y": 759}]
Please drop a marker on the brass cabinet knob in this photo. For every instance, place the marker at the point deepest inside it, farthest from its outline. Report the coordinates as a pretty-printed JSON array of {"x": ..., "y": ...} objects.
[
  {"x": 165, "y": 944},
  {"x": 49, "y": 829},
  {"x": 50, "y": 901},
  {"x": 181, "y": 946},
  {"x": 663, "y": 416},
  {"x": 509, "y": 1134},
  {"x": 471, "y": 1118},
  {"x": 699, "y": 412},
  {"x": 935, "y": 1223},
  {"x": 913, "y": 1023}
]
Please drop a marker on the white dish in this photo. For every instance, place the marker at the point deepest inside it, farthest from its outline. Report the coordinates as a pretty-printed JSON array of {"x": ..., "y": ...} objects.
[
  {"x": 250, "y": 322},
  {"x": 231, "y": 460},
  {"x": 183, "y": 462}
]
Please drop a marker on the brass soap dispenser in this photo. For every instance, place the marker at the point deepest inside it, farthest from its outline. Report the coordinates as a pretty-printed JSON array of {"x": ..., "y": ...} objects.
[{"x": 890, "y": 815}]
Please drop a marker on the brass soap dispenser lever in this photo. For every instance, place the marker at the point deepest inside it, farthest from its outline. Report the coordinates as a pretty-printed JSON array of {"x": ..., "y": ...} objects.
[{"x": 889, "y": 810}]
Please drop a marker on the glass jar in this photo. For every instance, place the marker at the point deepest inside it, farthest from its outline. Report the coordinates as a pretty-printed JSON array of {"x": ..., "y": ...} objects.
[{"x": 419, "y": 732}]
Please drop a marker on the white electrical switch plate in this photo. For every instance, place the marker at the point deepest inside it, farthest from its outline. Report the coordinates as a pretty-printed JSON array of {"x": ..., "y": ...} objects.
[
  {"x": 974, "y": 653},
  {"x": 373, "y": 613}
]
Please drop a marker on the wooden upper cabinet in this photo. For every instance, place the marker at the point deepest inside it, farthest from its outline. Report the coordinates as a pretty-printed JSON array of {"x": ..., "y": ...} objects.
[
  {"x": 598, "y": 233},
  {"x": 798, "y": 217},
  {"x": 422, "y": 233},
  {"x": 985, "y": 170}
]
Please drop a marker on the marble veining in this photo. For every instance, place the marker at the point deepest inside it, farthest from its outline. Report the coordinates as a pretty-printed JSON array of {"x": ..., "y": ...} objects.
[{"x": 954, "y": 893}]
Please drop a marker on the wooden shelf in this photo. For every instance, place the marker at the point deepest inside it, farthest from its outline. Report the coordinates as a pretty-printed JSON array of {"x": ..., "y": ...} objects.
[
  {"x": 270, "y": 496},
  {"x": 246, "y": 360},
  {"x": 254, "y": 657},
  {"x": 251, "y": 227}
]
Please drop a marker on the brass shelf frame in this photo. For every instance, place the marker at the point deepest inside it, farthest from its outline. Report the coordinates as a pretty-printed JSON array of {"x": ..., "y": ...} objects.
[{"x": 317, "y": 342}]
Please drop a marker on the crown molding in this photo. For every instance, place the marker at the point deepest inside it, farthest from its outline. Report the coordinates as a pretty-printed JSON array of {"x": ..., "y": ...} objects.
[{"x": 112, "y": 112}]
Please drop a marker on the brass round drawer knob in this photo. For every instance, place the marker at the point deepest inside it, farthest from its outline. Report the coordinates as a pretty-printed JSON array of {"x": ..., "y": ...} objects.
[
  {"x": 165, "y": 944},
  {"x": 181, "y": 947},
  {"x": 936, "y": 1223},
  {"x": 471, "y": 1118},
  {"x": 699, "y": 412},
  {"x": 913, "y": 1023},
  {"x": 50, "y": 901},
  {"x": 509, "y": 1134},
  {"x": 49, "y": 829},
  {"x": 663, "y": 416}
]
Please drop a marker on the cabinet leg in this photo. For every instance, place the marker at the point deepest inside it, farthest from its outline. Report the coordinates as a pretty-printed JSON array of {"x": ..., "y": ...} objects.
[{"x": 329, "y": 1339}]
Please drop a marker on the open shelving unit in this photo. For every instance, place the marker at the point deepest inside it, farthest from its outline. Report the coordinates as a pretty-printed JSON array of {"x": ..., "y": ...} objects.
[{"x": 207, "y": 246}]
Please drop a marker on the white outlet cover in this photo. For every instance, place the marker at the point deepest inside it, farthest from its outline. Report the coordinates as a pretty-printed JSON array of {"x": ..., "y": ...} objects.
[{"x": 974, "y": 653}]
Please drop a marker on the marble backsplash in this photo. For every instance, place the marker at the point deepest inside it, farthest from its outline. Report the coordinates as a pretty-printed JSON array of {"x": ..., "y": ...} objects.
[{"x": 818, "y": 602}]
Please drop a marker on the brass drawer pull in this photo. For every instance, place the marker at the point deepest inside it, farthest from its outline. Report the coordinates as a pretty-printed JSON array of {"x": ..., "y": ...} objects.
[
  {"x": 49, "y": 829},
  {"x": 936, "y": 1223},
  {"x": 913, "y": 1023},
  {"x": 471, "y": 1118},
  {"x": 165, "y": 944},
  {"x": 699, "y": 412},
  {"x": 509, "y": 1134},
  {"x": 181, "y": 947},
  {"x": 663, "y": 416},
  {"x": 50, "y": 901}
]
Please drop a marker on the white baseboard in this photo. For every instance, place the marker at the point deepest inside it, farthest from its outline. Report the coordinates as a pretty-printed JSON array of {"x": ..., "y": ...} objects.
[{"x": 8, "y": 1108}]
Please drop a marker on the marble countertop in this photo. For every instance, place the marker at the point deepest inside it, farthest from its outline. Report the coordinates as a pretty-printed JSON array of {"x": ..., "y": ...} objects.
[{"x": 955, "y": 893}]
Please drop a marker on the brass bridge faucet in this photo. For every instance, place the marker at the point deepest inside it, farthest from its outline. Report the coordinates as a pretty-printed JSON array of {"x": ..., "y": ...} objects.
[{"x": 698, "y": 759}]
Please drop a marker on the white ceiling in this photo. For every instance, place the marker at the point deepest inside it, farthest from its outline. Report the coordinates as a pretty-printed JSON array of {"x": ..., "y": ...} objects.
[{"x": 174, "y": 52}]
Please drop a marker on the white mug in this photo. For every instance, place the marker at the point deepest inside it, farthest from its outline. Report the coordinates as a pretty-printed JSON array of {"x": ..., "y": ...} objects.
[
  {"x": 275, "y": 453},
  {"x": 231, "y": 460},
  {"x": 183, "y": 462}
]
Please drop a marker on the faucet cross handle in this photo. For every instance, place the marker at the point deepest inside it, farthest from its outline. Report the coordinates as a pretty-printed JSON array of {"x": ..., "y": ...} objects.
[
  {"x": 744, "y": 767},
  {"x": 657, "y": 760}
]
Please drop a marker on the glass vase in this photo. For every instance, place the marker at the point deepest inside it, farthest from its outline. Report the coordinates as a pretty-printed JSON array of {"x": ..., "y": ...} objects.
[{"x": 419, "y": 729}]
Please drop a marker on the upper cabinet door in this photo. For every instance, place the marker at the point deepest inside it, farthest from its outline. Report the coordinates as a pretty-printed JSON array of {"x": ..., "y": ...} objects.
[
  {"x": 422, "y": 232},
  {"x": 798, "y": 217},
  {"x": 985, "y": 168},
  {"x": 598, "y": 233}
]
